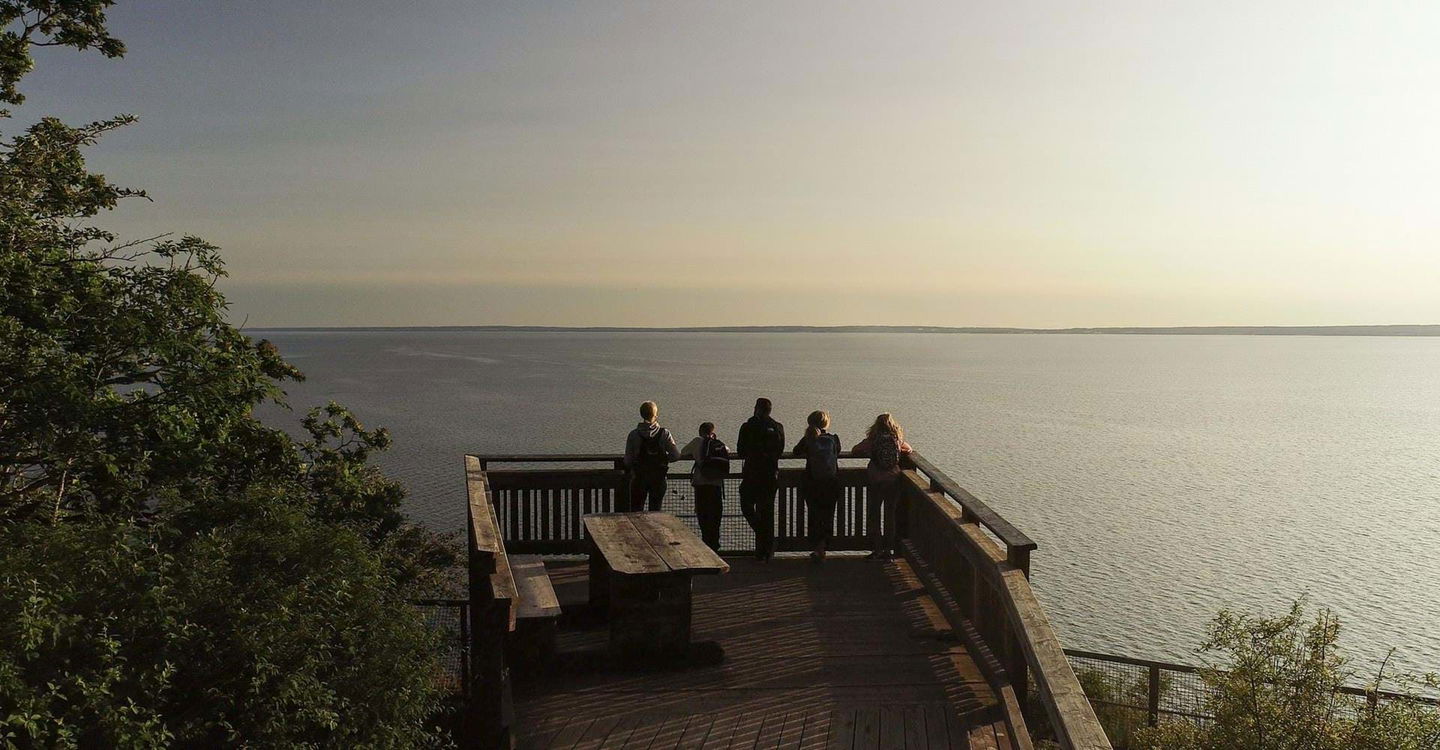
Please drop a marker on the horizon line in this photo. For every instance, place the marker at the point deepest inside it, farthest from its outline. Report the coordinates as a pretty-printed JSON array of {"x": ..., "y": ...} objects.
[{"x": 1400, "y": 329}]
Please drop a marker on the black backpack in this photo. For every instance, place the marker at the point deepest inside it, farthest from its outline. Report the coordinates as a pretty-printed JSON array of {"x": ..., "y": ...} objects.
[
  {"x": 714, "y": 461},
  {"x": 652, "y": 453}
]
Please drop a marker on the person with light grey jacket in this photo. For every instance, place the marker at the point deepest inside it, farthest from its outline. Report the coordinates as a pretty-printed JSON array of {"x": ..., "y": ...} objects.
[
  {"x": 707, "y": 476},
  {"x": 649, "y": 449}
]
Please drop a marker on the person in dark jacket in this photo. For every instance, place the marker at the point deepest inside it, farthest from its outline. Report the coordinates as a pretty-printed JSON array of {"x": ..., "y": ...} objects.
[
  {"x": 821, "y": 486},
  {"x": 761, "y": 443},
  {"x": 649, "y": 449}
]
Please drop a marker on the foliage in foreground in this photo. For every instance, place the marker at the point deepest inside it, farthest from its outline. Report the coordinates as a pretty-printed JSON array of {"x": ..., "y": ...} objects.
[
  {"x": 1276, "y": 686},
  {"x": 271, "y": 628},
  {"x": 173, "y": 571}
]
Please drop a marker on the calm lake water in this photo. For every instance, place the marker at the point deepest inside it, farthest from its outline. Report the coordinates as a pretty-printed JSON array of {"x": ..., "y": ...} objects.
[{"x": 1164, "y": 477}]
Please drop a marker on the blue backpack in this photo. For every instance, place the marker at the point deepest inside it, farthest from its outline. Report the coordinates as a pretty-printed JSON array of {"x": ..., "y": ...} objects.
[{"x": 822, "y": 457}]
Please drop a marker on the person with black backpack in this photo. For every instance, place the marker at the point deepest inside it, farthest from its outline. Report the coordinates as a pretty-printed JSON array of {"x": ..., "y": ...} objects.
[
  {"x": 884, "y": 443},
  {"x": 821, "y": 486},
  {"x": 761, "y": 443},
  {"x": 707, "y": 476},
  {"x": 649, "y": 449}
]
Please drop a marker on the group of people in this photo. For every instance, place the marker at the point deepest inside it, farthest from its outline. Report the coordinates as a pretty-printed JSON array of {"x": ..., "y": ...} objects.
[{"x": 650, "y": 449}]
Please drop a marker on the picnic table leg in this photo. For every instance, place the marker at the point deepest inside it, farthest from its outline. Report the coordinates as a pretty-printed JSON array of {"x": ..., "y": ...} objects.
[
  {"x": 599, "y": 580},
  {"x": 650, "y": 615}
]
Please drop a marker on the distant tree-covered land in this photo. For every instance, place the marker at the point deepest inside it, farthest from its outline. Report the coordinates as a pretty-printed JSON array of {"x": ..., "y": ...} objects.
[
  {"x": 1387, "y": 330},
  {"x": 172, "y": 571}
]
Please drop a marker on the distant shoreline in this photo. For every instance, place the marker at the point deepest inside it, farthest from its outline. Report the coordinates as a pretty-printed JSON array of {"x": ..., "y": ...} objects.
[{"x": 1382, "y": 330}]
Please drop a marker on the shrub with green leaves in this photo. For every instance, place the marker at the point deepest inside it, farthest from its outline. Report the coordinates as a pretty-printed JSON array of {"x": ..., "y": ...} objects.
[
  {"x": 272, "y": 628},
  {"x": 1276, "y": 685}
]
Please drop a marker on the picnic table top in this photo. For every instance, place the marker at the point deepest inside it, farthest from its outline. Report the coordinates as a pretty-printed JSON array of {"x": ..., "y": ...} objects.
[{"x": 651, "y": 544}]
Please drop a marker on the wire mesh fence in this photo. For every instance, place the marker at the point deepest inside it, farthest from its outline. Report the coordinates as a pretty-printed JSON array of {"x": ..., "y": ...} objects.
[
  {"x": 451, "y": 620},
  {"x": 1128, "y": 694}
]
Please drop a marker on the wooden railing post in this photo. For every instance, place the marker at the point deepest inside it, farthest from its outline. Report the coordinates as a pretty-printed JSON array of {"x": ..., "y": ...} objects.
[
  {"x": 1020, "y": 558},
  {"x": 1153, "y": 704}
]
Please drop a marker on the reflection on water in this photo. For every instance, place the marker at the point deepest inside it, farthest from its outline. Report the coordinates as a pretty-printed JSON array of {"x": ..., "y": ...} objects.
[{"x": 1163, "y": 476}]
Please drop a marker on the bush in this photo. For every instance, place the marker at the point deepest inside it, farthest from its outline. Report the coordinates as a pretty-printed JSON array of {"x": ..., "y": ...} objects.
[
  {"x": 274, "y": 629},
  {"x": 1277, "y": 687}
]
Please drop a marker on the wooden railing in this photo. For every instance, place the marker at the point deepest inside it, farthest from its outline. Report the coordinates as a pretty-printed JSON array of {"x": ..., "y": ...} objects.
[
  {"x": 976, "y": 563},
  {"x": 493, "y": 599},
  {"x": 984, "y": 588},
  {"x": 539, "y": 511}
]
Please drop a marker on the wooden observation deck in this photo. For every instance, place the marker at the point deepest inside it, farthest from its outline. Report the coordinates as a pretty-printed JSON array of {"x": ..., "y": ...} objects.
[{"x": 944, "y": 646}]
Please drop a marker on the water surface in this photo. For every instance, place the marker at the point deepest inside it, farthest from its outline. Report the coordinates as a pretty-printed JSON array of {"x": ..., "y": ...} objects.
[{"x": 1164, "y": 477}]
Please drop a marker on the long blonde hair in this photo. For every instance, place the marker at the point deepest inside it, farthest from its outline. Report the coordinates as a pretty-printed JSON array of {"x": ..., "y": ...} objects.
[{"x": 885, "y": 425}]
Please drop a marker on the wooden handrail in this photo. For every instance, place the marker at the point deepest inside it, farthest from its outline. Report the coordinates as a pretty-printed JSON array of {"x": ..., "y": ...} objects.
[
  {"x": 1018, "y": 546},
  {"x": 486, "y": 459},
  {"x": 987, "y": 516},
  {"x": 993, "y": 594},
  {"x": 493, "y": 601}
]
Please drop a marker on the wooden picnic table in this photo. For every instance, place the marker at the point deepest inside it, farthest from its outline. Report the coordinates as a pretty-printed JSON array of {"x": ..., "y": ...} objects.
[{"x": 640, "y": 570}]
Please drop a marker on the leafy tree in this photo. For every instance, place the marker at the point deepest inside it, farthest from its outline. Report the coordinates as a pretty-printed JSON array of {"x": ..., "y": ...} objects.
[
  {"x": 173, "y": 571},
  {"x": 1277, "y": 687},
  {"x": 266, "y": 628}
]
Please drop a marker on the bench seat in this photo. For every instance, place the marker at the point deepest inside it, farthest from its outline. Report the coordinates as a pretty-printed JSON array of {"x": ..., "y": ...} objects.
[{"x": 536, "y": 612}]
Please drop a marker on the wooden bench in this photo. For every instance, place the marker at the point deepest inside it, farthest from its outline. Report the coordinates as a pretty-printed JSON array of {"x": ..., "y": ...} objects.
[
  {"x": 640, "y": 570},
  {"x": 533, "y": 640}
]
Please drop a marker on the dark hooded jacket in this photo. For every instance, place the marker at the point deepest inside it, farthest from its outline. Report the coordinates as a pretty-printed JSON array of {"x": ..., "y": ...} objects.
[{"x": 761, "y": 443}]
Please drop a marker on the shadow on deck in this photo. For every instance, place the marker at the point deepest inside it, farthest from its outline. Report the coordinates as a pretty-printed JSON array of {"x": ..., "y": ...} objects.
[{"x": 848, "y": 654}]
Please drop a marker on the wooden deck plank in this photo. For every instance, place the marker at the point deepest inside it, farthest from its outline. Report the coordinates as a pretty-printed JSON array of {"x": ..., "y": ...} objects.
[
  {"x": 914, "y": 718},
  {"x": 641, "y": 735},
  {"x": 937, "y": 729},
  {"x": 867, "y": 729},
  {"x": 794, "y": 730},
  {"x": 770, "y": 731},
  {"x": 595, "y": 735},
  {"x": 670, "y": 732},
  {"x": 721, "y": 732},
  {"x": 892, "y": 728},
  {"x": 620, "y": 735},
  {"x": 696, "y": 731},
  {"x": 817, "y": 730},
  {"x": 846, "y": 655},
  {"x": 747, "y": 730},
  {"x": 570, "y": 735},
  {"x": 842, "y": 730},
  {"x": 982, "y": 737},
  {"x": 1002, "y": 736}
]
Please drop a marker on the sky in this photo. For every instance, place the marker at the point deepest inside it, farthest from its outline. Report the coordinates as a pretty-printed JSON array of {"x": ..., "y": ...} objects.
[{"x": 933, "y": 162}]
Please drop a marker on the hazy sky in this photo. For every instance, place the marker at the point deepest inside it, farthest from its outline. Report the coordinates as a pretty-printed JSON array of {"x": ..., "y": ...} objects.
[{"x": 1135, "y": 162}]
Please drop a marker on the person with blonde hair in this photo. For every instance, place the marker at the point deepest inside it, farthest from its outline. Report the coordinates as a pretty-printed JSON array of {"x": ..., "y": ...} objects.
[
  {"x": 884, "y": 444},
  {"x": 821, "y": 484},
  {"x": 649, "y": 449}
]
